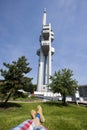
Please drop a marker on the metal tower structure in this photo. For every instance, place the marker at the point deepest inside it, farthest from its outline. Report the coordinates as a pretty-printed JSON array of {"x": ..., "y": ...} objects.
[{"x": 45, "y": 56}]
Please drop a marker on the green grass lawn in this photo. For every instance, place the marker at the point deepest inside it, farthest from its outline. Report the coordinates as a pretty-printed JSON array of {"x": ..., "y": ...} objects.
[{"x": 58, "y": 117}]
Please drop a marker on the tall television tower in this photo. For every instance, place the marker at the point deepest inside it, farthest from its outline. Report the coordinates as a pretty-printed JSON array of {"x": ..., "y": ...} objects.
[{"x": 45, "y": 56}]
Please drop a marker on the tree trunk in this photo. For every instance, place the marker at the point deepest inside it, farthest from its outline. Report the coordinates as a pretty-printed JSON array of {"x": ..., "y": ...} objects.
[
  {"x": 7, "y": 98},
  {"x": 64, "y": 99}
]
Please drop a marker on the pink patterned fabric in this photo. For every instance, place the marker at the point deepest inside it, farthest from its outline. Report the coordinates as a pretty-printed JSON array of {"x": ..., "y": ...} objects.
[{"x": 28, "y": 125}]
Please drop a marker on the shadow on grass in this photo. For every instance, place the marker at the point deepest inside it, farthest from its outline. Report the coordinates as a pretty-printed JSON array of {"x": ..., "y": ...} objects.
[
  {"x": 9, "y": 104},
  {"x": 59, "y": 104}
]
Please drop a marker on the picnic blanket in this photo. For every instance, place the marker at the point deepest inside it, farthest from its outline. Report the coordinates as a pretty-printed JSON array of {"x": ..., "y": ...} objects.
[{"x": 28, "y": 125}]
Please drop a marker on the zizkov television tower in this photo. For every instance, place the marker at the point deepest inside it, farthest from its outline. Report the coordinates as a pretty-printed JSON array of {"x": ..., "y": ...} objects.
[{"x": 45, "y": 56}]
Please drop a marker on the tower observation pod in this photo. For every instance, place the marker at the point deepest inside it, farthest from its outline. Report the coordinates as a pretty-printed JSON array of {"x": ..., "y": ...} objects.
[{"x": 45, "y": 56}]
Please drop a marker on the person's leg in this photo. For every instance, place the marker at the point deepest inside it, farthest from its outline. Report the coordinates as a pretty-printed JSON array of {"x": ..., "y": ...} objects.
[
  {"x": 33, "y": 114},
  {"x": 39, "y": 111},
  {"x": 36, "y": 119},
  {"x": 36, "y": 122}
]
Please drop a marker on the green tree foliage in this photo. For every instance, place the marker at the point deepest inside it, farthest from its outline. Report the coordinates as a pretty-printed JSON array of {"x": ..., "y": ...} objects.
[
  {"x": 29, "y": 87},
  {"x": 62, "y": 82},
  {"x": 14, "y": 77}
]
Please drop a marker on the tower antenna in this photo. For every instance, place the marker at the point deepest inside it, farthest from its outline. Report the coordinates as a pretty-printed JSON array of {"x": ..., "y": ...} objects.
[{"x": 44, "y": 17}]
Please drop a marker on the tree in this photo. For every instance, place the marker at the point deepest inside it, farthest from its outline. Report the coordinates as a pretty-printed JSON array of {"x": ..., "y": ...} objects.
[
  {"x": 14, "y": 77},
  {"x": 29, "y": 87},
  {"x": 62, "y": 82}
]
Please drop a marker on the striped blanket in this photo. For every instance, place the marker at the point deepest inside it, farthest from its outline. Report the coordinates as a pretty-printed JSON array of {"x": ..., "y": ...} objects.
[{"x": 28, "y": 125}]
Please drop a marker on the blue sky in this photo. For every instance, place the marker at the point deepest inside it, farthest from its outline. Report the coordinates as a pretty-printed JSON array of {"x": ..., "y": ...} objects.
[{"x": 20, "y": 27}]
